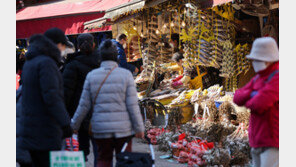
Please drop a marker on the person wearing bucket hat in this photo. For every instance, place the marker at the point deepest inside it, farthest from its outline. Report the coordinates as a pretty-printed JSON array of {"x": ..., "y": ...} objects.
[
  {"x": 77, "y": 66},
  {"x": 261, "y": 96}
]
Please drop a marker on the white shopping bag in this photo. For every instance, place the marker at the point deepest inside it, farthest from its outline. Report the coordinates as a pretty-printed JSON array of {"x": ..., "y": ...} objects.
[{"x": 67, "y": 158}]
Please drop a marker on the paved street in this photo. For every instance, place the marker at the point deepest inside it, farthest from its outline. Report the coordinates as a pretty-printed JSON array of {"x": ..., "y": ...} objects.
[{"x": 138, "y": 146}]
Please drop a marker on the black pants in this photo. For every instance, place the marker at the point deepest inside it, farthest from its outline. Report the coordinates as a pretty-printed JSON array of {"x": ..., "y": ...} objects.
[
  {"x": 40, "y": 158},
  {"x": 25, "y": 165}
]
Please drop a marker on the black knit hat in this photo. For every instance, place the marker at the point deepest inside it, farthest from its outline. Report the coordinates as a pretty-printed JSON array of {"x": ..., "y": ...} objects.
[
  {"x": 57, "y": 36},
  {"x": 85, "y": 38},
  {"x": 108, "y": 51}
]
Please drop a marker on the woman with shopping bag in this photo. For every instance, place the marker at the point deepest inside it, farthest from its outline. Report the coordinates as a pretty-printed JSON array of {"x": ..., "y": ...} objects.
[{"x": 109, "y": 92}]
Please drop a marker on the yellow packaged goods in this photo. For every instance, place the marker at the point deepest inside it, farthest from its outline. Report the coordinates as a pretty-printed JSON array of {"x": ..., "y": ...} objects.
[
  {"x": 166, "y": 99},
  {"x": 183, "y": 99},
  {"x": 187, "y": 113}
]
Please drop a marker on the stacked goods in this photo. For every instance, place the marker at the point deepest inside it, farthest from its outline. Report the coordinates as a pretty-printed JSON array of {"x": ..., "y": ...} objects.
[
  {"x": 149, "y": 52},
  {"x": 204, "y": 37},
  {"x": 135, "y": 47},
  {"x": 190, "y": 152},
  {"x": 243, "y": 64},
  {"x": 225, "y": 111},
  {"x": 213, "y": 92},
  {"x": 238, "y": 145},
  {"x": 228, "y": 62},
  {"x": 175, "y": 118},
  {"x": 217, "y": 156},
  {"x": 165, "y": 140},
  {"x": 243, "y": 114}
]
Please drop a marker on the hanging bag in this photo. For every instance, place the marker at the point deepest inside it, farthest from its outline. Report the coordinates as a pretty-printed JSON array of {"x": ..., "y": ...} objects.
[{"x": 94, "y": 101}]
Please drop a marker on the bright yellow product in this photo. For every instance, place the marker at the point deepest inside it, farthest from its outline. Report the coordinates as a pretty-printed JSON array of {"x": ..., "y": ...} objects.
[
  {"x": 205, "y": 92},
  {"x": 196, "y": 83},
  {"x": 166, "y": 99},
  {"x": 189, "y": 94},
  {"x": 187, "y": 113}
]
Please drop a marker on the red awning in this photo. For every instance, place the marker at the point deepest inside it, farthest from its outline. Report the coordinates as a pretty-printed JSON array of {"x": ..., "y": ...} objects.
[{"x": 69, "y": 17}]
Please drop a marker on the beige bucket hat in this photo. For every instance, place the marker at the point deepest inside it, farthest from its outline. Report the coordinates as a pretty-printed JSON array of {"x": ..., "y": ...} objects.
[{"x": 264, "y": 49}]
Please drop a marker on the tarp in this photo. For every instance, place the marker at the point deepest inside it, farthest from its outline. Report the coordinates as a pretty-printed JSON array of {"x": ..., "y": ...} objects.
[
  {"x": 62, "y": 9},
  {"x": 70, "y": 25},
  {"x": 69, "y": 17}
]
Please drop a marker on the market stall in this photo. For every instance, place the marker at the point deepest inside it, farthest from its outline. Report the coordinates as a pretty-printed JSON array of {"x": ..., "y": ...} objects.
[{"x": 187, "y": 102}]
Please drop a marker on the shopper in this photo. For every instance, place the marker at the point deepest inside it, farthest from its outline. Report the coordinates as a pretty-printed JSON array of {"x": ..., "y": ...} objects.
[
  {"x": 116, "y": 114},
  {"x": 120, "y": 42},
  {"x": 77, "y": 66},
  {"x": 22, "y": 156},
  {"x": 261, "y": 96},
  {"x": 68, "y": 51},
  {"x": 45, "y": 120},
  {"x": 56, "y": 35}
]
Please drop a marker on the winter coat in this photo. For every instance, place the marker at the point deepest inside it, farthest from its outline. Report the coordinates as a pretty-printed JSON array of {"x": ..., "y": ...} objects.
[
  {"x": 261, "y": 96},
  {"x": 116, "y": 110},
  {"x": 77, "y": 67},
  {"x": 122, "y": 58},
  {"x": 43, "y": 108},
  {"x": 22, "y": 155}
]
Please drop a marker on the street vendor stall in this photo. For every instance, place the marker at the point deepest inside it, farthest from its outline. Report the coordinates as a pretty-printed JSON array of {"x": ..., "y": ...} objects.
[{"x": 200, "y": 125}]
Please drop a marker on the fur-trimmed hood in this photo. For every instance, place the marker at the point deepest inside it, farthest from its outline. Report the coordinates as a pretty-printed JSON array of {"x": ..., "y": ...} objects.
[{"x": 40, "y": 45}]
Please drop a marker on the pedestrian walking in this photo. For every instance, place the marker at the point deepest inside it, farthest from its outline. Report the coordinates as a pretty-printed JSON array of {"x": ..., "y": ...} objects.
[
  {"x": 110, "y": 94},
  {"x": 45, "y": 121},
  {"x": 120, "y": 42},
  {"x": 77, "y": 66},
  {"x": 261, "y": 96}
]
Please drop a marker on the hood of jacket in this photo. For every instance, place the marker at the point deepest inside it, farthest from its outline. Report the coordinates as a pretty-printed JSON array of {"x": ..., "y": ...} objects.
[
  {"x": 39, "y": 45},
  {"x": 117, "y": 44},
  {"x": 92, "y": 60}
]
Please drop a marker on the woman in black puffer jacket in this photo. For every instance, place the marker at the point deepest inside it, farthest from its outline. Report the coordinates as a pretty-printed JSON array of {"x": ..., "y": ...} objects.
[{"x": 77, "y": 66}]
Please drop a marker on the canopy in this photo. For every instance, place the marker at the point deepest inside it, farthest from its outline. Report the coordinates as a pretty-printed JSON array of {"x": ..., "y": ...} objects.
[
  {"x": 139, "y": 4},
  {"x": 69, "y": 17}
]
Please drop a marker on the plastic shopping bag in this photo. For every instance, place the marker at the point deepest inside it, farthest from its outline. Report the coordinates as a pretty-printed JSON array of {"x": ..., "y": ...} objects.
[
  {"x": 65, "y": 158},
  {"x": 72, "y": 143}
]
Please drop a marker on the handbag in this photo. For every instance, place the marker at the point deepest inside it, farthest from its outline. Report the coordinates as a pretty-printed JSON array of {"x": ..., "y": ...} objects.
[
  {"x": 129, "y": 159},
  {"x": 98, "y": 91}
]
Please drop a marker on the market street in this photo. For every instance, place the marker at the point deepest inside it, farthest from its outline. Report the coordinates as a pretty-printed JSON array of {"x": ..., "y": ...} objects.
[{"x": 138, "y": 146}]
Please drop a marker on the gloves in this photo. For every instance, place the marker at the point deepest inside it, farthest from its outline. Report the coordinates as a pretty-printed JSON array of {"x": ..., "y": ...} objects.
[
  {"x": 67, "y": 131},
  {"x": 254, "y": 93}
]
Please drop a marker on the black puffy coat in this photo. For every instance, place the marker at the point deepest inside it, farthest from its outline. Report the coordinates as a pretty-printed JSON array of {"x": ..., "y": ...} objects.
[
  {"x": 22, "y": 155},
  {"x": 77, "y": 66},
  {"x": 43, "y": 108}
]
